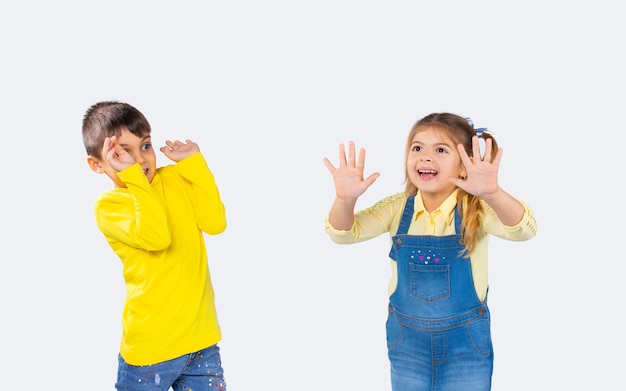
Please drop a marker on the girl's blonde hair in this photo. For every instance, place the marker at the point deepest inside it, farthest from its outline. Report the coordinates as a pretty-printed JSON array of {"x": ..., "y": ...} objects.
[{"x": 461, "y": 131}]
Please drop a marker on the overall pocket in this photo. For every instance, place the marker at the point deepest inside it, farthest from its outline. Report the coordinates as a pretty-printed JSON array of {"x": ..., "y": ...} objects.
[{"x": 430, "y": 282}]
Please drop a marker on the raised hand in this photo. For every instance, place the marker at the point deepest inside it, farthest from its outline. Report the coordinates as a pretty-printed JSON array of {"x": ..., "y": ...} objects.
[
  {"x": 482, "y": 173},
  {"x": 116, "y": 156},
  {"x": 348, "y": 177},
  {"x": 178, "y": 150}
]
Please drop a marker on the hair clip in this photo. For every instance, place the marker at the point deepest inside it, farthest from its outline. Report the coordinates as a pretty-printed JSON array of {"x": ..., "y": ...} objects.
[{"x": 479, "y": 131}]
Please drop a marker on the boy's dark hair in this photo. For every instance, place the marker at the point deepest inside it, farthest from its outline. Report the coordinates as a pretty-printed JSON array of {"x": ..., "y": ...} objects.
[{"x": 108, "y": 118}]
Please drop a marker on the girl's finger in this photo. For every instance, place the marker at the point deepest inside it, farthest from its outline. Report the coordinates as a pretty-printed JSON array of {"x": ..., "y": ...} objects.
[
  {"x": 342, "y": 155},
  {"x": 476, "y": 148},
  {"x": 361, "y": 162},
  {"x": 329, "y": 165},
  {"x": 488, "y": 147},
  {"x": 465, "y": 159},
  {"x": 351, "y": 157},
  {"x": 496, "y": 160}
]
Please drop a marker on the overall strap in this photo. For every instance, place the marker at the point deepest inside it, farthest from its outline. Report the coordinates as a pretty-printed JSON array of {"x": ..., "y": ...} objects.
[
  {"x": 457, "y": 220},
  {"x": 405, "y": 221}
]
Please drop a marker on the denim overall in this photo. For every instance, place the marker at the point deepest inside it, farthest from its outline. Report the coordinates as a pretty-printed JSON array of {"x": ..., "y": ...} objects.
[{"x": 438, "y": 330}]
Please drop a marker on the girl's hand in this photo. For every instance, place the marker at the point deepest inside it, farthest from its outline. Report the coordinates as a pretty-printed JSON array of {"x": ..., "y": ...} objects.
[
  {"x": 482, "y": 174},
  {"x": 348, "y": 177},
  {"x": 116, "y": 156},
  {"x": 177, "y": 150}
]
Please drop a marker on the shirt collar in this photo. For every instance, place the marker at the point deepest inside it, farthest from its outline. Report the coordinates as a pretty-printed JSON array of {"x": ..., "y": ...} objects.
[{"x": 446, "y": 208}]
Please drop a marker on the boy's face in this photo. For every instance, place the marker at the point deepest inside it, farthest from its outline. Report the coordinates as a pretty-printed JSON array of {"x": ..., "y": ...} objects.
[{"x": 141, "y": 151}]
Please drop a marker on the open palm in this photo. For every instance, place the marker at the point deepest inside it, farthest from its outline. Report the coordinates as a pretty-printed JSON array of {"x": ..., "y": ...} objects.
[
  {"x": 482, "y": 173},
  {"x": 348, "y": 176}
]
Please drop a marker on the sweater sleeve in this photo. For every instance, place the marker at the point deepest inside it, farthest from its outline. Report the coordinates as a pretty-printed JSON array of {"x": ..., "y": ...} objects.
[
  {"x": 524, "y": 230},
  {"x": 205, "y": 195},
  {"x": 134, "y": 216},
  {"x": 380, "y": 218}
]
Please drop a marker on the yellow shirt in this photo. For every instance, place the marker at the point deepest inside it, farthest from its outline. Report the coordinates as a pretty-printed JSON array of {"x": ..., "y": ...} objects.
[
  {"x": 156, "y": 229},
  {"x": 384, "y": 216}
]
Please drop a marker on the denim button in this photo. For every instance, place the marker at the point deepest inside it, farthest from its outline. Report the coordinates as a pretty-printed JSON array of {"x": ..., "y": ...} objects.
[
  {"x": 398, "y": 241},
  {"x": 481, "y": 311}
]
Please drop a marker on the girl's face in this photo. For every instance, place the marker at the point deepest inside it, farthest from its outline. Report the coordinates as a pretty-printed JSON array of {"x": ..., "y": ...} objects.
[{"x": 432, "y": 159}]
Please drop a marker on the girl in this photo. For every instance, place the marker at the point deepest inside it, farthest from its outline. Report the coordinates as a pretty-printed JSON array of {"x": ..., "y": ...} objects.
[{"x": 438, "y": 327}]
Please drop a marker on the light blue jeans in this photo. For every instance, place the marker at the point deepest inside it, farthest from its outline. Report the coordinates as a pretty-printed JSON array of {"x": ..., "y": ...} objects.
[
  {"x": 438, "y": 330},
  {"x": 196, "y": 371},
  {"x": 455, "y": 359}
]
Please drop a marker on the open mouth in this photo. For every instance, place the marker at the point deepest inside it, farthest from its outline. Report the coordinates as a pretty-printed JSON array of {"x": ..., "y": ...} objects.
[{"x": 427, "y": 173}]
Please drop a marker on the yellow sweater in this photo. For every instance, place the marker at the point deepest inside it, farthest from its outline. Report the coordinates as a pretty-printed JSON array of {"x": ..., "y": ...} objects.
[
  {"x": 157, "y": 231},
  {"x": 385, "y": 216}
]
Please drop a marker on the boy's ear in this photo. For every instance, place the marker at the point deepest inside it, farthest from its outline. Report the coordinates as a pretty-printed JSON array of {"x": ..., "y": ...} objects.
[{"x": 94, "y": 164}]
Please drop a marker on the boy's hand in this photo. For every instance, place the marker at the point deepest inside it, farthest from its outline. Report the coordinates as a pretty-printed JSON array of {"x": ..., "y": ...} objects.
[
  {"x": 177, "y": 150},
  {"x": 116, "y": 156}
]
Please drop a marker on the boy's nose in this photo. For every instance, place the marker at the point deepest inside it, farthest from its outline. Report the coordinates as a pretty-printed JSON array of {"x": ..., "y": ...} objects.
[{"x": 138, "y": 158}]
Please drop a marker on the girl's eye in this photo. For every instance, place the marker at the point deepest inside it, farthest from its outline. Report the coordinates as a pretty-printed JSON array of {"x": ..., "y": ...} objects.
[
  {"x": 146, "y": 147},
  {"x": 441, "y": 150},
  {"x": 416, "y": 148}
]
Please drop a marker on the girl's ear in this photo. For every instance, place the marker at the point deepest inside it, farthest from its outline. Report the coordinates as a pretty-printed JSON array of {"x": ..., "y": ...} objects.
[
  {"x": 94, "y": 164},
  {"x": 463, "y": 170},
  {"x": 463, "y": 174}
]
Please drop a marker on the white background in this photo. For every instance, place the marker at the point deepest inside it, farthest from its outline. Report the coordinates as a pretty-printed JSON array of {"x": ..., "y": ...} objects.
[{"x": 268, "y": 89}]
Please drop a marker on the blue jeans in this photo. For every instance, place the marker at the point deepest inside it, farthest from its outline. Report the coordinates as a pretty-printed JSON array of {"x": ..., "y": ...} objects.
[
  {"x": 196, "y": 371},
  {"x": 455, "y": 359},
  {"x": 438, "y": 331}
]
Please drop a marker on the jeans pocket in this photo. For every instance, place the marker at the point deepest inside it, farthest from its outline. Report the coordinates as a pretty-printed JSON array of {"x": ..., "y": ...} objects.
[
  {"x": 479, "y": 333},
  {"x": 394, "y": 330}
]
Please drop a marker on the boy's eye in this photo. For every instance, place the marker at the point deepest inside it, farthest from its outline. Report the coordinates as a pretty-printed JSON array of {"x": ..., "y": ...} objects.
[{"x": 146, "y": 146}]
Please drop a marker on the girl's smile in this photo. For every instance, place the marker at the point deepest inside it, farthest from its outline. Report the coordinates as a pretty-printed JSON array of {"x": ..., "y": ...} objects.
[{"x": 431, "y": 160}]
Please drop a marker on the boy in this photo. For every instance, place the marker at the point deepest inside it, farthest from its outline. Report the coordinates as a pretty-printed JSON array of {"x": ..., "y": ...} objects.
[{"x": 154, "y": 219}]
